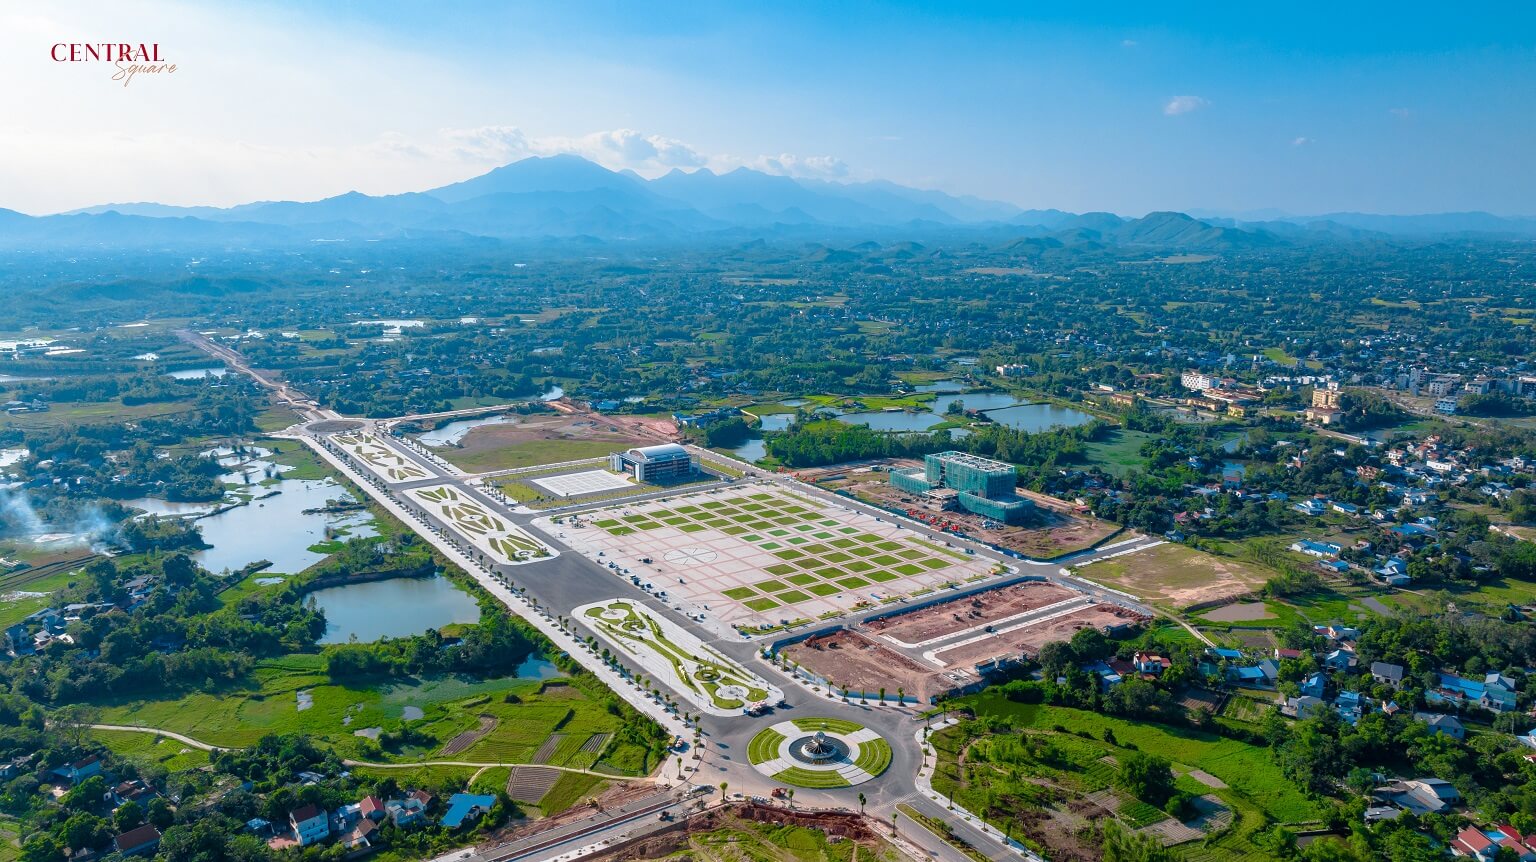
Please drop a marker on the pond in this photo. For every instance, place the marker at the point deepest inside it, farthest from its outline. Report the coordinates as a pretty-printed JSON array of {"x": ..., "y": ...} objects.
[
  {"x": 978, "y": 401},
  {"x": 1038, "y": 417},
  {"x": 398, "y": 607},
  {"x": 775, "y": 421},
  {"x": 276, "y": 528},
  {"x": 167, "y": 509},
  {"x": 197, "y": 373},
  {"x": 751, "y": 450},
  {"x": 13, "y": 456},
  {"x": 940, "y": 386},
  {"x": 453, "y": 432},
  {"x": 555, "y": 393}
]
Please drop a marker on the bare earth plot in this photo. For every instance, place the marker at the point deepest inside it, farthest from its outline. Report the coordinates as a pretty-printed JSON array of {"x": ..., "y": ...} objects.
[
  {"x": 1028, "y": 640},
  {"x": 1177, "y": 576},
  {"x": 973, "y": 611},
  {"x": 757, "y": 556},
  {"x": 552, "y": 438},
  {"x": 853, "y": 661}
]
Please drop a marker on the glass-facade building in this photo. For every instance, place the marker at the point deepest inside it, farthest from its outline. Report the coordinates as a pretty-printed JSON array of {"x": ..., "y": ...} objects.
[{"x": 986, "y": 487}]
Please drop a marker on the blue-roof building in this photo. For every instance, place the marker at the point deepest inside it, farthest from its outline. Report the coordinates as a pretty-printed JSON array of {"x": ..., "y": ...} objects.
[{"x": 466, "y": 806}]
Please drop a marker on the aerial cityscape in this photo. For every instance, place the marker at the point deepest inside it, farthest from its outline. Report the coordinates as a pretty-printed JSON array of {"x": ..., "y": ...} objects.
[{"x": 900, "y": 432}]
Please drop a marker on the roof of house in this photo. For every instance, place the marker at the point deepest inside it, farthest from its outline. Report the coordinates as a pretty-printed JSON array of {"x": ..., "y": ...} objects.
[
  {"x": 461, "y": 805},
  {"x": 1387, "y": 669},
  {"x": 305, "y": 812},
  {"x": 133, "y": 839}
]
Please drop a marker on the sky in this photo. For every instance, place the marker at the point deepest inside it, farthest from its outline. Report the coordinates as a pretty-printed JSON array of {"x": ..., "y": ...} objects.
[{"x": 1246, "y": 108}]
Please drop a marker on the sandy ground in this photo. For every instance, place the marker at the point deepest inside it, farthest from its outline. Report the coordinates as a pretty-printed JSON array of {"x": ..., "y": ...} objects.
[
  {"x": 1028, "y": 640},
  {"x": 854, "y": 661},
  {"x": 1177, "y": 576},
  {"x": 969, "y": 612}
]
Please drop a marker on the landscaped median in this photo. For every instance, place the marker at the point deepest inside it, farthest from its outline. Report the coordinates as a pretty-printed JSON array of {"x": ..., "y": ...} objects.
[
  {"x": 713, "y": 682},
  {"x": 819, "y": 753}
]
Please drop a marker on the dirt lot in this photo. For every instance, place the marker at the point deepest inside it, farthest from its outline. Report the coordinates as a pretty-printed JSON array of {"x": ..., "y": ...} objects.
[
  {"x": 1058, "y": 530},
  {"x": 1177, "y": 576},
  {"x": 975, "y": 610},
  {"x": 1028, "y": 640},
  {"x": 853, "y": 661},
  {"x": 549, "y": 438}
]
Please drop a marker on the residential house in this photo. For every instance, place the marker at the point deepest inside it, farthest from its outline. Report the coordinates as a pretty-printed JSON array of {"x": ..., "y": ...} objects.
[
  {"x": 1314, "y": 684},
  {"x": 1339, "y": 659},
  {"x": 1350, "y": 706},
  {"x": 1420, "y": 795},
  {"x": 372, "y": 808},
  {"x": 464, "y": 807},
  {"x": 144, "y": 839},
  {"x": 1485, "y": 844},
  {"x": 1303, "y": 707},
  {"x": 1387, "y": 673},
  {"x": 406, "y": 812},
  {"x": 1337, "y": 567},
  {"x": 1346, "y": 509},
  {"x": 359, "y": 836},
  {"x": 1440, "y": 723},
  {"x": 76, "y": 772},
  {"x": 1316, "y": 549},
  {"x": 310, "y": 824}
]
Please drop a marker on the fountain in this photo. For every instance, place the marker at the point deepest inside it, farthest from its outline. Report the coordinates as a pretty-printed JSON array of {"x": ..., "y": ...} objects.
[{"x": 819, "y": 749}]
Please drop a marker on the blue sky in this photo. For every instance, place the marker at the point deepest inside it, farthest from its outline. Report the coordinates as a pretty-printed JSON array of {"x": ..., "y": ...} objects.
[{"x": 1124, "y": 107}]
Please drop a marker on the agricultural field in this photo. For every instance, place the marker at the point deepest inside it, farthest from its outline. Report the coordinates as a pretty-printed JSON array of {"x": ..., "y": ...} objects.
[
  {"x": 712, "y": 681},
  {"x": 759, "y": 557},
  {"x": 1044, "y": 783},
  {"x": 507, "y": 720},
  {"x": 1177, "y": 576},
  {"x": 379, "y": 459},
  {"x": 494, "y": 536}
]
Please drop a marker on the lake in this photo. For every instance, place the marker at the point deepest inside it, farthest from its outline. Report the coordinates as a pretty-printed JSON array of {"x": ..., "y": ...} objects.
[
  {"x": 276, "y": 528},
  {"x": 1038, "y": 417},
  {"x": 398, "y": 607},
  {"x": 775, "y": 421},
  {"x": 893, "y": 420},
  {"x": 941, "y": 386}
]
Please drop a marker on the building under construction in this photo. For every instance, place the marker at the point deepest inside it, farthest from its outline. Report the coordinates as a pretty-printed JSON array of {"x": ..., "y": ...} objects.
[{"x": 959, "y": 480}]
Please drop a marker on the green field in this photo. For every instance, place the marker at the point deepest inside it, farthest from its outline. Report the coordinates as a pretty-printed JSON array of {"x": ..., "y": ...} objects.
[
  {"x": 1032, "y": 764},
  {"x": 1117, "y": 451},
  {"x": 526, "y": 712},
  {"x": 528, "y": 453},
  {"x": 811, "y": 778}
]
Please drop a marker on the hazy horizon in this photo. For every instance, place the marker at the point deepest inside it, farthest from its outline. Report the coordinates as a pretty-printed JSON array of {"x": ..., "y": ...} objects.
[{"x": 1225, "y": 111}]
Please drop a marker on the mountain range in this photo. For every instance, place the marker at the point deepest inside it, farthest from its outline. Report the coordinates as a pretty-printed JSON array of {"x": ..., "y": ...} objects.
[{"x": 565, "y": 197}]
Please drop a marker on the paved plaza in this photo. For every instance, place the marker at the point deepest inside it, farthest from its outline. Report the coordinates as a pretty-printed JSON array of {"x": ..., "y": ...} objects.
[
  {"x": 579, "y": 484},
  {"x": 759, "y": 555}
]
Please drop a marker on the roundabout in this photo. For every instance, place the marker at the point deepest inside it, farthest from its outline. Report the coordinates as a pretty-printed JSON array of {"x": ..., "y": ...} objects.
[{"x": 819, "y": 753}]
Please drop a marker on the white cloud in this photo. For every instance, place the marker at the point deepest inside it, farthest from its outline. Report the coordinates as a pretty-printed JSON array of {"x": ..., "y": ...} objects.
[
  {"x": 1400, "y": 113},
  {"x": 1129, "y": 43},
  {"x": 1184, "y": 105},
  {"x": 1301, "y": 142}
]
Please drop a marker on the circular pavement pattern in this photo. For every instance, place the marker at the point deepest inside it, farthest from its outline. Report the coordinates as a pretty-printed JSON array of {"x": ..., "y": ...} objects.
[
  {"x": 690, "y": 556},
  {"x": 819, "y": 753}
]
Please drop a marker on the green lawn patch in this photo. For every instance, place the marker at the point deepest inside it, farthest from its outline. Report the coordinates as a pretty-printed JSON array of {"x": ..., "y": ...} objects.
[{"x": 739, "y": 593}]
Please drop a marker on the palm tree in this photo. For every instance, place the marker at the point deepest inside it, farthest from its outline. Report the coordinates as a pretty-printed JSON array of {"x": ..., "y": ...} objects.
[
  {"x": 894, "y": 815},
  {"x": 882, "y": 696},
  {"x": 861, "y": 803},
  {"x": 790, "y": 795},
  {"x": 901, "y": 696},
  {"x": 723, "y": 785}
]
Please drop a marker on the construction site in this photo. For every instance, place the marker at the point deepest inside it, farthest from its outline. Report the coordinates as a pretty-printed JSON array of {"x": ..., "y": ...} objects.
[
  {"x": 1055, "y": 527},
  {"x": 948, "y": 647}
]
